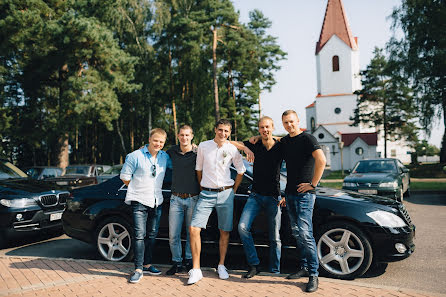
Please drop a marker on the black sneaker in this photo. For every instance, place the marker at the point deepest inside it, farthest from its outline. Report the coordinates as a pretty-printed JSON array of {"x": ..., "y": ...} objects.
[
  {"x": 302, "y": 272},
  {"x": 253, "y": 271},
  {"x": 312, "y": 285},
  {"x": 176, "y": 267},
  {"x": 188, "y": 264}
]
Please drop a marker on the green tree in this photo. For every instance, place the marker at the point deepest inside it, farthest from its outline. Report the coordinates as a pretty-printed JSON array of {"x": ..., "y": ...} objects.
[
  {"x": 385, "y": 101},
  {"x": 422, "y": 54}
]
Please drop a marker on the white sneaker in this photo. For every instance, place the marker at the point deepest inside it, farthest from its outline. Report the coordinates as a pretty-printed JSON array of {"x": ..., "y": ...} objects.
[
  {"x": 194, "y": 276},
  {"x": 222, "y": 272}
]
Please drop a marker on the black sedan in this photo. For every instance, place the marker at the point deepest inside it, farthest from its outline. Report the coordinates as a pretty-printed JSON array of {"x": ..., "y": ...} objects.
[
  {"x": 27, "y": 206},
  {"x": 351, "y": 229}
]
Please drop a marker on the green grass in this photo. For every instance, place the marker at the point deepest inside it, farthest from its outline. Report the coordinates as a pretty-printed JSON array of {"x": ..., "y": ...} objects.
[
  {"x": 418, "y": 185},
  {"x": 336, "y": 175}
]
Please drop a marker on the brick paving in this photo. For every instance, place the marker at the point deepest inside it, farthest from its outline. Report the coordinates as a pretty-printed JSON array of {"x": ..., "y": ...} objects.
[{"x": 30, "y": 276}]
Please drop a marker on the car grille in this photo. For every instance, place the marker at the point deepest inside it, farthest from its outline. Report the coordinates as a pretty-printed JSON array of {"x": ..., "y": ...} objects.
[
  {"x": 63, "y": 197},
  {"x": 368, "y": 185},
  {"x": 48, "y": 200},
  {"x": 405, "y": 214}
]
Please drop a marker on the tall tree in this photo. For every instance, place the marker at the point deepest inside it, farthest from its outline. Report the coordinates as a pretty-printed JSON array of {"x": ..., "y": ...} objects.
[
  {"x": 422, "y": 53},
  {"x": 385, "y": 101}
]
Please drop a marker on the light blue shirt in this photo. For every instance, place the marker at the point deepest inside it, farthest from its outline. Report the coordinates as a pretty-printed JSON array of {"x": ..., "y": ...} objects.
[{"x": 143, "y": 187}]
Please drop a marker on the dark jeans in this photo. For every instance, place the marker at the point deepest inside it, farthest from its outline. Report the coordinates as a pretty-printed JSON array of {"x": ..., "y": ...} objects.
[
  {"x": 253, "y": 206},
  {"x": 146, "y": 222},
  {"x": 300, "y": 211}
]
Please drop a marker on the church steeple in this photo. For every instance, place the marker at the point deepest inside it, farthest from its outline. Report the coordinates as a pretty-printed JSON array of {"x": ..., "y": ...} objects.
[{"x": 335, "y": 23}]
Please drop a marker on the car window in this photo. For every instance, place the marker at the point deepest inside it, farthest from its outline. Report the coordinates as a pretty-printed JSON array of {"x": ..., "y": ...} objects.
[
  {"x": 33, "y": 172},
  {"x": 77, "y": 170},
  {"x": 7, "y": 170},
  {"x": 48, "y": 172},
  {"x": 100, "y": 170},
  {"x": 379, "y": 166}
]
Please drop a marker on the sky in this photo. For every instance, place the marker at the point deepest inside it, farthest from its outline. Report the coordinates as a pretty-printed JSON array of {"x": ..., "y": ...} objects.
[{"x": 297, "y": 25}]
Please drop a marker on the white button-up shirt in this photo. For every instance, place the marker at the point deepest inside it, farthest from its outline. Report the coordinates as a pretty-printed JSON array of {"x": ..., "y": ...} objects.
[
  {"x": 143, "y": 186},
  {"x": 215, "y": 162}
]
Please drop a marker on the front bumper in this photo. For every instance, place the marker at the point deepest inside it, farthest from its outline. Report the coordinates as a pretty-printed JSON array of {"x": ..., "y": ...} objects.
[
  {"x": 385, "y": 192},
  {"x": 16, "y": 222}
]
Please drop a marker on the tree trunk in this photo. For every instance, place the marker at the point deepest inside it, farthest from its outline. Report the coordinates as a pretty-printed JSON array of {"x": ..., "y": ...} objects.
[
  {"x": 443, "y": 142},
  {"x": 385, "y": 129},
  {"x": 63, "y": 160},
  {"x": 214, "y": 62},
  {"x": 120, "y": 137},
  {"x": 174, "y": 111}
]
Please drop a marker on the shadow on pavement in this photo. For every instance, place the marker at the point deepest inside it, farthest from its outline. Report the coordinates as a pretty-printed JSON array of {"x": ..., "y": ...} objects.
[{"x": 426, "y": 198}]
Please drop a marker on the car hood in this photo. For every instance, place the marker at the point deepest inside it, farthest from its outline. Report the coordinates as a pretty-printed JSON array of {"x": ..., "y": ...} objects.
[
  {"x": 354, "y": 197},
  {"x": 25, "y": 186},
  {"x": 372, "y": 177}
]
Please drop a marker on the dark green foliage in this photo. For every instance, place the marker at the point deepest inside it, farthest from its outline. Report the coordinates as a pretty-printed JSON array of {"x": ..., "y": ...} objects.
[{"x": 102, "y": 73}]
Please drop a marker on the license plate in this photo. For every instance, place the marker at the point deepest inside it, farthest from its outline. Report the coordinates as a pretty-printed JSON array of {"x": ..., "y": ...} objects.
[
  {"x": 368, "y": 191},
  {"x": 55, "y": 216},
  {"x": 62, "y": 183}
]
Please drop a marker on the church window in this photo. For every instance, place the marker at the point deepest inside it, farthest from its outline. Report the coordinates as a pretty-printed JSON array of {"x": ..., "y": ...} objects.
[
  {"x": 337, "y": 110},
  {"x": 359, "y": 151},
  {"x": 393, "y": 152},
  {"x": 335, "y": 61},
  {"x": 313, "y": 124},
  {"x": 321, "y": 136}
]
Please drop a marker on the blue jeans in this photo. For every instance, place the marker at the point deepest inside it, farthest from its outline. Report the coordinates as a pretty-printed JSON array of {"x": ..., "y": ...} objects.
[
  {"x": 300, "y": 211},
  {"x": 146, "y": 222},
  {"x": 252, "y": 208},
  {"x": 223, "y": 202},
  {"x": 179, "y": 210}
]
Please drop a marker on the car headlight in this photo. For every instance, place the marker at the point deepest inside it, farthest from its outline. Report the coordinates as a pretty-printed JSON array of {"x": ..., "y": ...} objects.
[
  {"x": 349, "y": 184},
  {"x": 393, "y": 184},
  {"x": 16, "y": 203},
  {"x": 386, "y": 219}
]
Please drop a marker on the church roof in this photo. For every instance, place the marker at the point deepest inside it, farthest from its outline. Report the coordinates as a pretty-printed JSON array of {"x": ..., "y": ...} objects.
[
  {"x": 335, "y": 23},
  {"x": 369, "y": 138},
  {"x": 311, "y": 105}
]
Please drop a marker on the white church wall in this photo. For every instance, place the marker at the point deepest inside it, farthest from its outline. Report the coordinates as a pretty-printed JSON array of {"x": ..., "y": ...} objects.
[
  {"x": 395, "y": 149},
  {"x": 336, "y": 82},
  {"x": 310, "y": 113}
]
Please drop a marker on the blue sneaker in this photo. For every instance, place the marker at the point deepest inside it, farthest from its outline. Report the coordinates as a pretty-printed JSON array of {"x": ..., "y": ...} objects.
[
  {"x": 136, "y": 277},
  {"x": 151, "y": 270}
]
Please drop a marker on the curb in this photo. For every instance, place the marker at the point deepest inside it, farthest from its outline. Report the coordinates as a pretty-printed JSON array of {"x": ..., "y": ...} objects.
[{"x": 240, "y": 272}]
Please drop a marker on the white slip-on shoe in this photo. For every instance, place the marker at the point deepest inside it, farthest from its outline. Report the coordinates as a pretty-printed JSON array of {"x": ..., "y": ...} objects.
[
  {"x": 222, "y": 272},
  {"x": 194, "y": 276}
]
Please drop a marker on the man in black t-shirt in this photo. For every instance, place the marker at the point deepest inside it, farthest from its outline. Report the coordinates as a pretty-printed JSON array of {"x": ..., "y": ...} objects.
[
  {"x": 305, "y": 162},
  {"x": 265, "y": 195},
  {"x": 185, "y": 189}
]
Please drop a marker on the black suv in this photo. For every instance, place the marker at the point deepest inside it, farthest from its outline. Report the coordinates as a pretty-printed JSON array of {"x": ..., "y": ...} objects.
[{"x": 27, "y": 205}]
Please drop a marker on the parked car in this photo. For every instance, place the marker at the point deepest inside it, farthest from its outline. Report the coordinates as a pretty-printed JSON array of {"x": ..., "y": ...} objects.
[
  {"x": 43, "y": 172},
  {"x": 351, "y": 229},
  {"x": 27, "y": 206},
  {"x": 385, "y": 177},
  {"x": 79, "y": 176},
  {"x": 112, "y": 172}
]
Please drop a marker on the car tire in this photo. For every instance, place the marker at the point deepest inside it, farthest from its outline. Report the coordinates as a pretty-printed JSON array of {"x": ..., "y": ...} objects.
[
  {"x": 114, "y": 239},
  {"x": 344, "y": 251},
  {"x": 400, "y": 195},
  {"x": 407, "y": 193}
]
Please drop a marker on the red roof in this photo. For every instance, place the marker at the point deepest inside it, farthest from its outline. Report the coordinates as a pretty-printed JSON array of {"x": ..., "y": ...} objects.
[
  {"x": 311, "y": 105},
  {"x": 369, "y": 138},
  {"x": 335, "y": 23}
]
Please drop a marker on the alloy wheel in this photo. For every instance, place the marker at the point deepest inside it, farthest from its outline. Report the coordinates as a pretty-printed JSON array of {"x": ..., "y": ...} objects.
[{"x": 114, "y": 241}]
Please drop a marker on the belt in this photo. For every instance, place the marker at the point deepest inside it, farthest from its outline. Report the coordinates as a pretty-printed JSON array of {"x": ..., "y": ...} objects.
[
  {"x": 221, "y": 189},
  {"x": 183, "y": 195}
]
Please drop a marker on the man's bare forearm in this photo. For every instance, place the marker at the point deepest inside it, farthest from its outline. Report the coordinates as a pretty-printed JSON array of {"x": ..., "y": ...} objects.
[{"x": 238, "y": 180}]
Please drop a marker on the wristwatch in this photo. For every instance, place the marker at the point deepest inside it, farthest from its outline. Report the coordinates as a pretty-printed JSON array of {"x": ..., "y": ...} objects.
[{"x": 311, "y": 184}]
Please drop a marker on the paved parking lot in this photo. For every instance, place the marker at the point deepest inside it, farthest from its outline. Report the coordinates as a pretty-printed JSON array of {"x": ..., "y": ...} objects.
[{"x": 22, "y": 276}]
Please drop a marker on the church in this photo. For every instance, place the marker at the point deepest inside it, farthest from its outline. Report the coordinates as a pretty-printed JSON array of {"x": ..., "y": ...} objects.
[{"x": 338, "y": 77}]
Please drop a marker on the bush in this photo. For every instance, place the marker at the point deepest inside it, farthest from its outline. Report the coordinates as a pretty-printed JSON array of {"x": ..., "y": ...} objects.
[{"x": 428, "y": 170}]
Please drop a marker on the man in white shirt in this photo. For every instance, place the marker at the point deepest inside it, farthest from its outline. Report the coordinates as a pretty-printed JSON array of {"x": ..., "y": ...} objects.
[
  {"x": 214, "y": 158},
  {"x": 143, "y": 172}
]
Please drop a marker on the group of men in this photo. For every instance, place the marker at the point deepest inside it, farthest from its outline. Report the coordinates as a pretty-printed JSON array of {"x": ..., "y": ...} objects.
[{"x": 201, "y": 182}]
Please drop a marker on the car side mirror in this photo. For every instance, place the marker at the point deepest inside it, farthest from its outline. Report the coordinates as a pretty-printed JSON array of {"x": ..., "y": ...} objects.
[{"x": 405, "y": 170}]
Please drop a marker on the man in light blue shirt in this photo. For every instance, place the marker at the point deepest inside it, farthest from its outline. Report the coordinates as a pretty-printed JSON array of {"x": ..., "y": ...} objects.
[{"x": 143, "y": 173}]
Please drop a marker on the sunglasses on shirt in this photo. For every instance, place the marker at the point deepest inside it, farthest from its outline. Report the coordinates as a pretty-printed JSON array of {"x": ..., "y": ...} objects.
[{"x": 153, "y": 170}]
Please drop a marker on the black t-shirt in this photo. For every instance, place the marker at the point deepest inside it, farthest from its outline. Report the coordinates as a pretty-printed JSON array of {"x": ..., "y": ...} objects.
[
  {"x": 297, "y": 152},
  {"x": 266, "y": 171},
  {"x": 184, "y": 177}
]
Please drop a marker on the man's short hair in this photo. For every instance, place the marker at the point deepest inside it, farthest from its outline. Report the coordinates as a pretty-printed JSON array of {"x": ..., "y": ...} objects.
[
  {"x": 184, "y": 127},
  {"x": 223, "y": 122},
  {"x": 289, "y": 111},
  {"x": 158, "y": 131},
  {"x": 265, "y": 118}
]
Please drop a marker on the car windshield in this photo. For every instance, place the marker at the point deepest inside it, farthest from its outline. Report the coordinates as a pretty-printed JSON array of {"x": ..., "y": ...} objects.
[
  {"x": 34, "y": 172},
  {"x": 7, "y": 170},
  {"x": 77, "y": 170},
  {"x": 384, "y": 166},
  {"x": 114, "y": 170}
]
